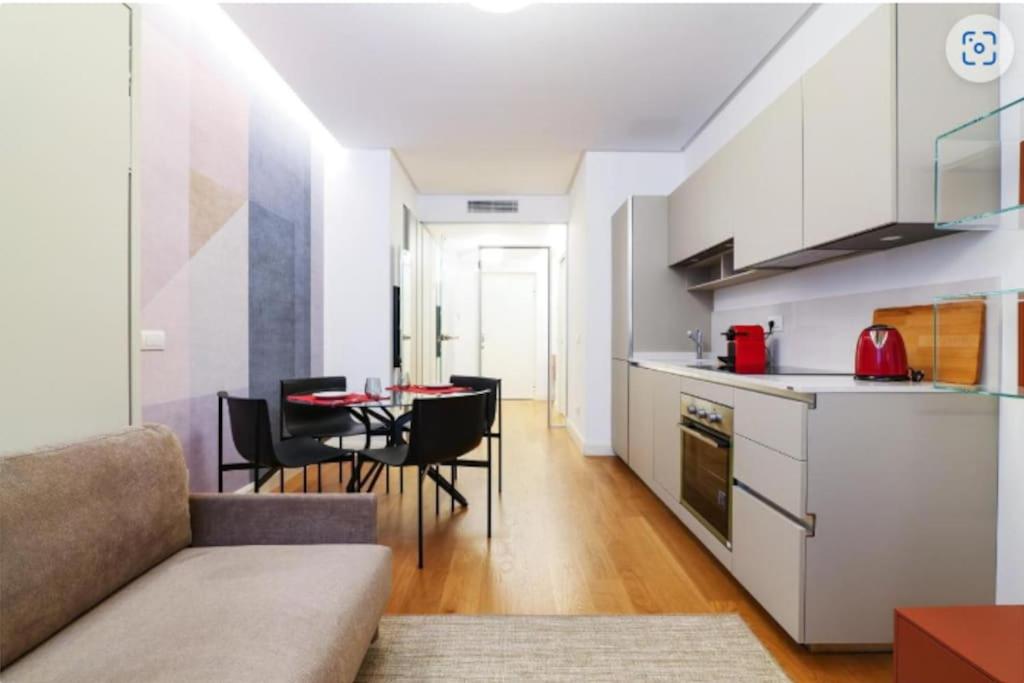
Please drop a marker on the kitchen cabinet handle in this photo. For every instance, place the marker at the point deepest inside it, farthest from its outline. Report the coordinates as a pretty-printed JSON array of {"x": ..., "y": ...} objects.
[{"x": 702, "y": 437}]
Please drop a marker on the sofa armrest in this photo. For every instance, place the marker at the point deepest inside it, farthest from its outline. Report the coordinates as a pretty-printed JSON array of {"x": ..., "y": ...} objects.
[{"x": 290, "y": 519}]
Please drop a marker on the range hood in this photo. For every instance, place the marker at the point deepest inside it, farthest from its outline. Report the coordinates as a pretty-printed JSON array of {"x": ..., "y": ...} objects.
[
  {"x": 876, "y": 239},
  {"x": 713, "y": 268}
]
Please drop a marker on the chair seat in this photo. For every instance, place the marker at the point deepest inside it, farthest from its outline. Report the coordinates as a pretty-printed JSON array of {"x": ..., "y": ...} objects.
[
  {"x": 250, "y": 615},
  {"x": 391, "y": 455},
  {"x": 302, "y": 451}
]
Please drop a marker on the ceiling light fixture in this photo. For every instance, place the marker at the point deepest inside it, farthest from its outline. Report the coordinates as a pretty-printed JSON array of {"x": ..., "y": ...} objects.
[
  {"x": 500, "y": 6},
  {"x": 891, "y": 238}
]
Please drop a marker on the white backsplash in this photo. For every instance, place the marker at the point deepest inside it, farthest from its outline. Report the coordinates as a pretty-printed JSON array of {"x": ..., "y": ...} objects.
[{"x": 822, "y": 333}]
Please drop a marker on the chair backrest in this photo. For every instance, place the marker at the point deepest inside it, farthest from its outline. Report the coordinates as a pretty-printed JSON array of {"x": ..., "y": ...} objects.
[
  {"x": 488, "y": 384},
  {"x": 444, "y": 429},
  {"x": 250, "y": 428},
  {"x": 296, "y": 418}
]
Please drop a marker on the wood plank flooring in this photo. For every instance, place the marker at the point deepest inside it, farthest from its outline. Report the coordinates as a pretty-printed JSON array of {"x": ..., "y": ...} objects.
[{"x": 572, "y": 535}]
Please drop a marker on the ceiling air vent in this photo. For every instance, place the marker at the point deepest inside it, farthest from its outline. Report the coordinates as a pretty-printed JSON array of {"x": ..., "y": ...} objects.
[{"x": 492, "y": 206}]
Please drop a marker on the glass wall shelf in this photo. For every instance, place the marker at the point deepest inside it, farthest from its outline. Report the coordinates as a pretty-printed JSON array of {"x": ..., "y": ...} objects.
[
  {"x": 978, "y": 343},
  {"x": 979, "y": 184}
]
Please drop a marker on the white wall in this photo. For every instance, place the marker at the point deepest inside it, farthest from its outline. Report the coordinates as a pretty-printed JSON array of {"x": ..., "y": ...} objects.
[
  {"x": 449, "y": 208},
  {"x": 358, "y": 216},
  {"x": 603, "y": 182}
]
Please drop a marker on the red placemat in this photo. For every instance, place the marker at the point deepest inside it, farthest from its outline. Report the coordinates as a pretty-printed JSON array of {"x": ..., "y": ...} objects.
[
  {"x": 350, "y": 399},
  {"x": 420, "y": 389}
]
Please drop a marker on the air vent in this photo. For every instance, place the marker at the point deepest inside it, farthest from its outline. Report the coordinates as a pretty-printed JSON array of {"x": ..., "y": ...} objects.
[{"x": 492, "y": 206}]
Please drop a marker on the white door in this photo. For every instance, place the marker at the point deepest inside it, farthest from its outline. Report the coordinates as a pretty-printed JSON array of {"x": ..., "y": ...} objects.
[{"x": 508, "y": 331}]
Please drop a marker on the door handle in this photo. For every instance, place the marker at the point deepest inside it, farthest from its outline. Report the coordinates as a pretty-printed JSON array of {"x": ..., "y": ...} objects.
[{"x": 448, "y": 337}]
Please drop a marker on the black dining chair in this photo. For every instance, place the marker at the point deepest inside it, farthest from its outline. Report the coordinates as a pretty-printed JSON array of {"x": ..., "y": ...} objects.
[
  {"x": 493, "y": 386},
  {"x": 442, "y": 429},
  {"x": 253, "y": 438},
  {"x": 320, "y": 422}
]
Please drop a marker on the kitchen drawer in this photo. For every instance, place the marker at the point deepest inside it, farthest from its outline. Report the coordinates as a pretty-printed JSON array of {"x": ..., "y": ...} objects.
[
  {"x": 768, "y": 559},
  {"x": 709, "y": 391},
  {"x": 777, "y": 477},
  {"x": 778, "y": 423}
]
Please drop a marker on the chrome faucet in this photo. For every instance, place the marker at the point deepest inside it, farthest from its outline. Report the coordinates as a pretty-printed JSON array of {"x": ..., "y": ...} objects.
[{"x": 698, "y": 338}]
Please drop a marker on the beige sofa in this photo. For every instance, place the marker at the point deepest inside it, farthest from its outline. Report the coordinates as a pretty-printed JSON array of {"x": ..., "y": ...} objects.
[{"x": 111, "y": 571}]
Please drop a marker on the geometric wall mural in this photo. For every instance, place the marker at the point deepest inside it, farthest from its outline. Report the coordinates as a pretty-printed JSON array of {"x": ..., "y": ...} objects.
[{"x": 227, "y": 223}]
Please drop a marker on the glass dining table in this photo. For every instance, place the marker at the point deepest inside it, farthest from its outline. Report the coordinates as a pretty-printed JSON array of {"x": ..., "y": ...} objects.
[{"x": 394, "y": 410}]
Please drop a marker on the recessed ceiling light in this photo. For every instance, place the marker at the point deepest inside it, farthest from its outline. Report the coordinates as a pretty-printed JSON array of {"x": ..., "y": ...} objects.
[
  {"x": 892, "y": 238},
  {"x": 500, "y": 6}
]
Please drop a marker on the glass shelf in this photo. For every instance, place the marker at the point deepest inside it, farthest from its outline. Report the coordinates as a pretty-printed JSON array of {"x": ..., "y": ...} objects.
[
  {"x": 978, "y": 343},
  {"x": 978, "y": 178}
]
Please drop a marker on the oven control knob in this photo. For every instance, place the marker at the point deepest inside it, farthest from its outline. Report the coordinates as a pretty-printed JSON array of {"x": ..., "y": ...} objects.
[
  {"x": 714, "y": 417},
  {"x": 702, "y": 414},
  {"x": 691, "y": 409}
]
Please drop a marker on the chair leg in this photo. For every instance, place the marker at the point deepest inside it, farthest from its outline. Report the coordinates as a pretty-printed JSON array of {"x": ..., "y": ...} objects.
[
  {"x": 305, "y": 485},
  {"x": 281, "y": 473},
  {"x": 499, "y": 461},
  {"x": 437, "y": 494},
  {"x": 319, "y": 478},
  {"x": 387, "y": 479},
  {"x": 488, "y": 488},
  {"x": 455, "y": 478},
  {"x": 256, "y": 481},
  {"x": 401, "y": 480},
  {"x": 419, "y": 516}
]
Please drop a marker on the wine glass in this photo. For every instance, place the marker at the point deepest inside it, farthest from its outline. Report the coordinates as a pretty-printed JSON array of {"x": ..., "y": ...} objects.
[{"x": 373, "y": 387}]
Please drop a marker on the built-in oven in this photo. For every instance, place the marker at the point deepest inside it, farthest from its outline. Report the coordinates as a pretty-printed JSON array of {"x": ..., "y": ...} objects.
[{"x": 705, "y": 442}]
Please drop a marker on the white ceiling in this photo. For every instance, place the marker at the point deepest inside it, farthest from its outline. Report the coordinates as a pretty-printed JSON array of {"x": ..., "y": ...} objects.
[{"x": 482, "y": 103}]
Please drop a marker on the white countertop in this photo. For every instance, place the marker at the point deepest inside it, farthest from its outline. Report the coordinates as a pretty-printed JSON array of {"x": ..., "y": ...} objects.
[{"x": 798, "y": 386}]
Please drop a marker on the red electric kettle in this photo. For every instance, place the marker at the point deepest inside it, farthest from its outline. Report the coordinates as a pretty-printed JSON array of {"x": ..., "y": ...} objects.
[{"x": 882, "y": 356}]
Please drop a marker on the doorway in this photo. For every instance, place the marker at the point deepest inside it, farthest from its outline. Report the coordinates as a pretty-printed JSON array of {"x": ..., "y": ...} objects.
[
  {"x": 493, "y": 303},
  {"x": 514, "y": 319}
]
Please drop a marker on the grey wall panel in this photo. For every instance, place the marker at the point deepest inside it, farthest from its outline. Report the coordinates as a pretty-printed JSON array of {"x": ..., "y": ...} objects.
[{"x": 279, "y": 253}]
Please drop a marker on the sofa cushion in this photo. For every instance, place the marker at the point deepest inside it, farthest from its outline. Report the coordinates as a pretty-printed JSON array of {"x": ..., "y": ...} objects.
[
  {"x": 242, "y": 613},
  {"x": 81, "y": 520}
]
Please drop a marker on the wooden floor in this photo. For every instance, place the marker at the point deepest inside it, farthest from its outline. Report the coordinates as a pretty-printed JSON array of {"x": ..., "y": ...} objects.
[{"x": 572, "y": 535}]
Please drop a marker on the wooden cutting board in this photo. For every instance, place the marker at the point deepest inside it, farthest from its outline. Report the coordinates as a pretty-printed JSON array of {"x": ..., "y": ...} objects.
[{"x": 961, "y": 338}]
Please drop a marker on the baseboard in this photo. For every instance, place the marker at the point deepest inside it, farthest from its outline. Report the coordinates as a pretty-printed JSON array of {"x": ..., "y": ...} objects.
[{"x": 595, "y": 449}]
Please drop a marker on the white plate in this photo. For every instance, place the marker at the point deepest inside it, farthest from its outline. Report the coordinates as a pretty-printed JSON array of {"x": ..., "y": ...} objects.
[
  {"x": 330, "y": 394},
  {"x": 447, "y": 385}
]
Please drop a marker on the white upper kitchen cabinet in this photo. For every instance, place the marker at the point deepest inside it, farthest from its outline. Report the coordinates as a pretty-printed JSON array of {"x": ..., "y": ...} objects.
[
  {"x": 768, "y": 218},
  {"x": 702, "y": 209},
  {"x": 872, "y": 108}
]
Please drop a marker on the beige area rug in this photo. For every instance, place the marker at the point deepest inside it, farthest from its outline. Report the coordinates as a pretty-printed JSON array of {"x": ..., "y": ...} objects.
[{"x": 713, "y": 648}]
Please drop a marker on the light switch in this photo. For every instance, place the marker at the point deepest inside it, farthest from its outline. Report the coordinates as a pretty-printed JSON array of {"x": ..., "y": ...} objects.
[{"x": 154, "y": 340}]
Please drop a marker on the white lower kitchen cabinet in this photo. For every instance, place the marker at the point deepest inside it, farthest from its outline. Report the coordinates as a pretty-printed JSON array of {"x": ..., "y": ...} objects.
[
  {"x": 667, "y": 466},
  {"x": 846, "y": 504},
  {"x": 641, "y": 423},
  {"x": 768, "y": 559},
  {"x": 620, "y": 408},
  {"x": 895, "y": 505}
]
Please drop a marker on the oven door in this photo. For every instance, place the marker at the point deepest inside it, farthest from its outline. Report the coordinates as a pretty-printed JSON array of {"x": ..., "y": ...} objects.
[{"x": 707, "y": 474}]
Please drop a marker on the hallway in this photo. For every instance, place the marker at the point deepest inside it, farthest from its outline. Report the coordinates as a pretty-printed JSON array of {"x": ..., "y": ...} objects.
[{"x": 584, "y": 534}]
